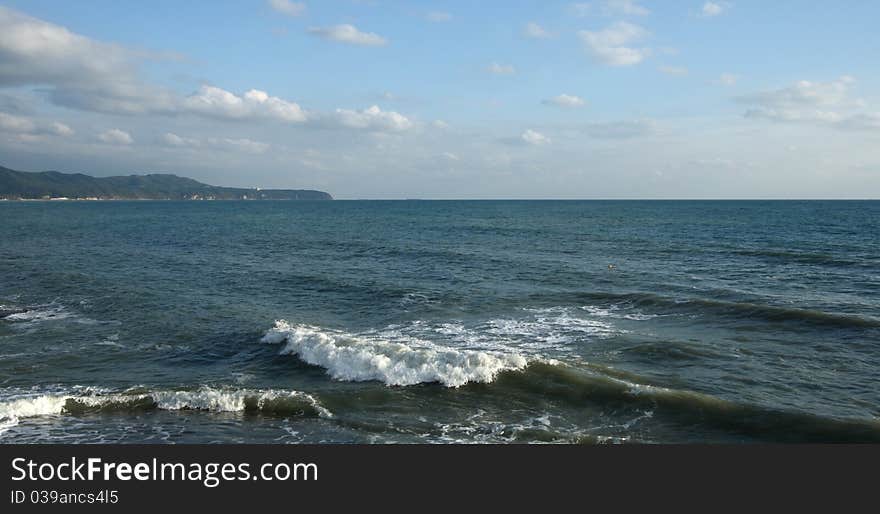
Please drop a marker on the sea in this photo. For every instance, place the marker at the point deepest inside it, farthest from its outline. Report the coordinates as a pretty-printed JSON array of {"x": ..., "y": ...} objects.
[{"x": 574, "y": 322}]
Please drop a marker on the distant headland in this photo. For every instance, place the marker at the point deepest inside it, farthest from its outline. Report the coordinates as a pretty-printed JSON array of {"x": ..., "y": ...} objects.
[{"x": 53, "y": 185}]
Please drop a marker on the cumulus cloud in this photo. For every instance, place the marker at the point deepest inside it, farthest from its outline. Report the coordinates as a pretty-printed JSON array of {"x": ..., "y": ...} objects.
[
  {"x": 254, "y": 104},
  {"x": 60, "y": 129},
  {"x": 258, "y": 105},
  {"x": 348, "y": 34},
  {"x": 531, "y": 137},
  {"x": 823, "y": 103},
  {"x": 115, "y": 137},
  {"x": 287, "y": 7},
  {"x": 534, "y": 31},
  {"x": 501, "y": 69},
  {"x": 711, "y": 9},
  {"x": 805, "y": 93},
  {"x": 564, "y": 100},
  {"x": 612, "y": 45},
  {"x": 172, "y": 139},
  {"x": 15, "y": 124},
  {"x": 85, "y": 74},
  {"x": 438, "y": 16},
  {"x": 372, "y": 118},
  {"x": 226, "y": 144},
  {"x": 76, "y": 71}
]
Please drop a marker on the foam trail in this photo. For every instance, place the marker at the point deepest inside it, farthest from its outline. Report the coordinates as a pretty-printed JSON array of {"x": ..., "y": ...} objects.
[{"x": 362, "y": 358}]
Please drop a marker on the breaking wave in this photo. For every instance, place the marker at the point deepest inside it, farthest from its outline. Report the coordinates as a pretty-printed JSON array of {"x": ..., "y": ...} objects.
[
  {"x": 370, "y": 357},
  {"x": 266, "y": 401}
]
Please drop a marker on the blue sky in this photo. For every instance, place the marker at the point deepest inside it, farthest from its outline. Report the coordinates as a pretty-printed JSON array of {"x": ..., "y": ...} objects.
[{"x": 380, "y": 99}]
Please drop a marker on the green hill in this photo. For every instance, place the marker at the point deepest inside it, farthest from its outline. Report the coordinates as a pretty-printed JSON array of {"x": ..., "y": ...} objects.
[{"x": 17, "y": 185}]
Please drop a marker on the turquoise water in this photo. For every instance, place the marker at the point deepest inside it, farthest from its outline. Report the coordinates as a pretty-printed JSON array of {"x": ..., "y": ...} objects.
[{"x": 447, "y": 321}]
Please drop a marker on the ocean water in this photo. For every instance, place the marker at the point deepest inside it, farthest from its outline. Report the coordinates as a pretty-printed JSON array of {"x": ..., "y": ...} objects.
[{"x": 440, "y": 322}]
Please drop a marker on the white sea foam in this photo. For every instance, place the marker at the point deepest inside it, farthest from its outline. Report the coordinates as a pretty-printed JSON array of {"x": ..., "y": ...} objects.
[
  {"x": 42, "y": 313},
  {"x": 12, "y": 411},
  {"x": 51, "y": 312},
  {"x": 204, "y": 399},
  {"x": 372, "y": 356},
  {"x": 556, "y": 330},
  {"x": 230, "y": 400},
  {"x": 614, "y": 312}
]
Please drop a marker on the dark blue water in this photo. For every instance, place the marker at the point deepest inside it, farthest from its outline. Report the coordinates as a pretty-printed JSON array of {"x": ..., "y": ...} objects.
[{"x": 458, "y": 321}]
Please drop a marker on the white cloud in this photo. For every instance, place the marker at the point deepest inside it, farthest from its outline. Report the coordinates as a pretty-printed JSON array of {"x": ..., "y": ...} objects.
[
  {"x": 89, "y": 75},
  {"x": 534, "y": 138},
  {"x": 610, "y": 45},
  {"x": 564, "y": 100},
  {"x": 115, "y": 137},
  {"x": 258, "y": 105},
  {"x": 501, "y": 69},
  {"x": 372, "y": 118},
  {"x": 254, "y": 104},
  {"x": 727, "y": 79},
  {"x": 440, "y": 124},
  {"x": 60, "y": 129},
  {"x": 711, "y": 9},
  {"x": 439, "y": 17},
  {"x": 77, "y": 71},
  {"x": 287, "y": 7},
  {"x": 23, "y": 125},
  {"x": 673, "y": 70},
  {"x": 172, "y": 139},
  {"x": 34, "y": 51},
  {"x": 534, "y": 31},
  {"x": 17, "y": 124},
  {"x": 349, "y": 34},
  {"x": 225, "y": 144},
  {"x": 624, "y": 7},
  {"x": 822, "y": 103},
  {"x": 241, "y": 145},
  {"x": 804, "y": 93}
]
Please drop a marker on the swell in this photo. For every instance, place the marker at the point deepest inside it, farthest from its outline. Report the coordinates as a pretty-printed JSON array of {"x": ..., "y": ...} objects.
[
  {"x": 614, "y": 389},
  {"x": 801, "y": 257},
  {"x": 503, "y": 376},
  {"x": 736, "y": 310}
]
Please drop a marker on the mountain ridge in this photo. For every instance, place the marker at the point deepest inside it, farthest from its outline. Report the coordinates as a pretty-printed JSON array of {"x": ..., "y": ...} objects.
[{"x": 35, "y": 185}]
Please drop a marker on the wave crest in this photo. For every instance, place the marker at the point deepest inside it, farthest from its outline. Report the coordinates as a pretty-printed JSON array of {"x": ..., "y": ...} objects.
[
  {"x": 362, "y": 358},
  {"x": 266, "y": 401}
]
